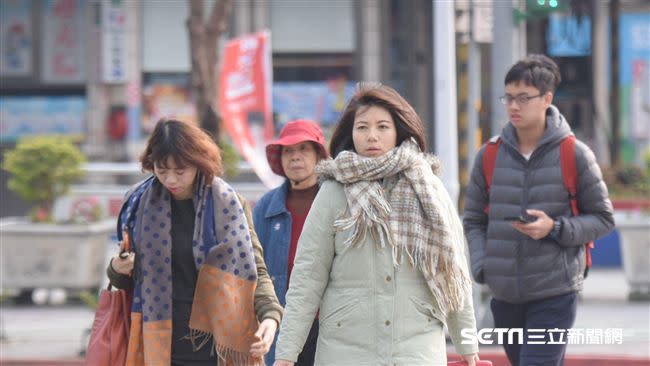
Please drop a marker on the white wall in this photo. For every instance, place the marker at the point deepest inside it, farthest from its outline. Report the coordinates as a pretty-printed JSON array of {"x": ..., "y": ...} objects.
[
  {"x": 164, "y": 39},
  {"x": 312, "y": 25},
  {"x": 296, "y": 26}
]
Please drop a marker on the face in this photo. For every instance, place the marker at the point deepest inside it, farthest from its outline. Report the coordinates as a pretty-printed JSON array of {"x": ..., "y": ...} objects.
[
  {"x": 179, "y": 180},
  {"x": 298, "y": 162},
  {"x": 530, "y": 114},
  {"x": 373, "y": 131}
]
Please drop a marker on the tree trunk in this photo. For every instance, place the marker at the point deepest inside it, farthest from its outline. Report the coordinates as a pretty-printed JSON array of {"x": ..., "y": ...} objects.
[{"x": 204, "y": 54}]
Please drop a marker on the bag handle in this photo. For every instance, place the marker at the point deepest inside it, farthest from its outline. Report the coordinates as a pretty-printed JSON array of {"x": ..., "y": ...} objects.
[{"x": 125, "y": 246}]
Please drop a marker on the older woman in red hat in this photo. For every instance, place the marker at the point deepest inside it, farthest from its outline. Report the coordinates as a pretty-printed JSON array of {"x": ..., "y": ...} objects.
[{"x": 280, "y": 214}]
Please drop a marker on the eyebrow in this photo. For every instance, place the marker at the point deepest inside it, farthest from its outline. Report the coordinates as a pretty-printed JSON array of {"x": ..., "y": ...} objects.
[
  {"x": 380, "y": 121},
  {"x": 510, "y": 95},
  {"x": 159, "y": 166}
]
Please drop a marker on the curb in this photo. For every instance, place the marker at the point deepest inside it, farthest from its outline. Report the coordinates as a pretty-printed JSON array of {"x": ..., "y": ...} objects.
[
  {"x": 497, "y": 359},
  {"x": 500, "y": 359}
]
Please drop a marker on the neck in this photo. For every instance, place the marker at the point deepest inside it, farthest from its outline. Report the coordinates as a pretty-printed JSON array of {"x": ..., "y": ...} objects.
[
  {"x": 529, "y": 138},
  {"x": 305, "y": 183}
]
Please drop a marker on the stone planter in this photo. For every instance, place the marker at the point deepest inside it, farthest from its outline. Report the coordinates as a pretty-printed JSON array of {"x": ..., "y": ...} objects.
[
  {"x": 52, "y": 256},
  {"x": 634, "y": 230}
]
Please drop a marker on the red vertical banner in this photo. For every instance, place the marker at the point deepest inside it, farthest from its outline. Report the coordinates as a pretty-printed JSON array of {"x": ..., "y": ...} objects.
[{"x": 245, "y": 100}]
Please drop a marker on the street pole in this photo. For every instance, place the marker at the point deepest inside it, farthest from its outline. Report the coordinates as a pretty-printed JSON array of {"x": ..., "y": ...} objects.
[
  {"x": 445, "y": 111},
  {"x": 508, "y": 46},
  {"x": 474, "y": 87},
  {"x": 96, "y": 93},
  {"x": 601, "y": 85},
  {"x": 369, "y": 40},
  {"x": 133, "y": 45}
]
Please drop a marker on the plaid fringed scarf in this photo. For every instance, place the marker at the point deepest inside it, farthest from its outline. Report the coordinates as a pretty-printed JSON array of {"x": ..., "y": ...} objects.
[
  {"x": 418, "y": 219},
  {"x": 223, "y": 306}
]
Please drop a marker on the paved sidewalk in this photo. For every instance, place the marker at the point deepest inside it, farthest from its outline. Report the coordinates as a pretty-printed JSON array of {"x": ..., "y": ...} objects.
[
  {"x": 54, "y": 334},
  {"x": 603, "y": 305}
]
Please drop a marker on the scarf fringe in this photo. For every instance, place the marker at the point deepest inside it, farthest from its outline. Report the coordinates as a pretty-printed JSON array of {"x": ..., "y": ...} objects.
[
  {"x": 438, "y": 252},
  {"x": 228, "y": 356},
  {"x": 199, "y": 336}
]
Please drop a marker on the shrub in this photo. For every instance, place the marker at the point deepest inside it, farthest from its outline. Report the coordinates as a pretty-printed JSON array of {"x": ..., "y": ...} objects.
[{"x": 42, "y": 169}]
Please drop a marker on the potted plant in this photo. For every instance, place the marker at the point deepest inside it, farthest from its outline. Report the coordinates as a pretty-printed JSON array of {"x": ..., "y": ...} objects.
[
  {"x": 40, "y": 253},
  {"x": 629, "y": 188}
]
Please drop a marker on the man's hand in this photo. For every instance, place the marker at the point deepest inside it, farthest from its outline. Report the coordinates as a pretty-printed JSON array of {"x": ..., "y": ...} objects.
[
  {"x": 537, "y": 229},
  {"x": 265, "y": 333},
  {"x": 471, "y": 359},
  {"x": 283, "y": 363}
]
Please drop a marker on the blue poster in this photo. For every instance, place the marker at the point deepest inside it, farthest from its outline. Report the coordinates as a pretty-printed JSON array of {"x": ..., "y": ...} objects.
[
  {"x": 634, "y": 84},
  {"x": 319, "y": 101},
  {"x": 22, "y": 116},
  {"x": 568, "y": 35}
]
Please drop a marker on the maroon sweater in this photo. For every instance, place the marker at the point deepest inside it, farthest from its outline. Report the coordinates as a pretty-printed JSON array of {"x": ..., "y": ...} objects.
[{"x": 298, "y": 203}]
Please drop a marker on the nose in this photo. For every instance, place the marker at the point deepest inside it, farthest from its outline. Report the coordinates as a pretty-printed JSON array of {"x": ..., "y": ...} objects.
[
  {"x": 372, "y": 134},
  {"x": 512, "y": 104},
  {"x": 294, "y": 155},
  {"x": 170, "y": 178}
]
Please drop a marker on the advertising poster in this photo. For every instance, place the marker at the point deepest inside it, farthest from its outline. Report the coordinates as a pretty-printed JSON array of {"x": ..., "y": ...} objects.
[
  {"x": 23, "y": 116},
  {"x": 245, "y": 100},
  {"x": 321, "y": 101},
  {"x": 15, "y": 38},
  {"x": 113, "y": 42},
  {"x": 635, "y": 84},
  {"x": 63, "y": 58},
  {"x": 166, "y": 96}
]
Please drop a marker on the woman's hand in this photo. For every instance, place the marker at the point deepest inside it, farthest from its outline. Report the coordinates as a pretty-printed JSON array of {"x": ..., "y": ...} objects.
[
  {"x": 471, "y": 359},
  {"x": 283, "y": 363},
  {"x": 265, "y": 333},
  {"x": 123, "y": 265}
]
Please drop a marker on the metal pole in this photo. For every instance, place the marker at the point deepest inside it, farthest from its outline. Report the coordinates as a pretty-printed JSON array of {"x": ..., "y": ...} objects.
[
  {"x": 508, "y": 46},
  {"x": 474, "y": 89},
  {"x": 444, "y": 74},
  {"x": 600, "y": 61}
]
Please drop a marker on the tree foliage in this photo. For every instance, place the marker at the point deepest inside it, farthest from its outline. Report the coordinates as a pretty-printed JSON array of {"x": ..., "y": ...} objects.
[{"x": 42, "y": 169}]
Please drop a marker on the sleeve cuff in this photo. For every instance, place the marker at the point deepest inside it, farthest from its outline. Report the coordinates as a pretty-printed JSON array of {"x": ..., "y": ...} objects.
[
  {"x": 273, "y": 314},
  {"x": 116, "y": 279}
]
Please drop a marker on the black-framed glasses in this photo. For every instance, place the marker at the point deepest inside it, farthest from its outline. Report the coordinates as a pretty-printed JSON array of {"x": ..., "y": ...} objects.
[{"x": 522, "y": 99}]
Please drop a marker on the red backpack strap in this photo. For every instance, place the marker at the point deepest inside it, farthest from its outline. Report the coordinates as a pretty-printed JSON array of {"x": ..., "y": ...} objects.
[
  {"x": 569, "y": 170},
  {"x": 570, "y": 179},
  {"x": 489, "y": 161}
]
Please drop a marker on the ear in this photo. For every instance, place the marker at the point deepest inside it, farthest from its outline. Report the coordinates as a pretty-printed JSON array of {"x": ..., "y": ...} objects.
[{"x": 548, "y": 98}]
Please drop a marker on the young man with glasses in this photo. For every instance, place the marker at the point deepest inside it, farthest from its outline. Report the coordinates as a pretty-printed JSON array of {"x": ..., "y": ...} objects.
[{"x": 525, "y": 243}]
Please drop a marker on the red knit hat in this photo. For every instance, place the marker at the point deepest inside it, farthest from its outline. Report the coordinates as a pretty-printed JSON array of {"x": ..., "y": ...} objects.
[{"x": 294, "y": 132}]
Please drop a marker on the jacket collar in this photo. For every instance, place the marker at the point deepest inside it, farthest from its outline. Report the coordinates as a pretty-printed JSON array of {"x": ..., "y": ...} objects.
[{"x": 278, "y": 202}]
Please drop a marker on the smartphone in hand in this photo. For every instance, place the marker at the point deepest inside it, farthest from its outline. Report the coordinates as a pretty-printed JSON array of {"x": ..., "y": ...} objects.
[{"x": 524, "y": 219}]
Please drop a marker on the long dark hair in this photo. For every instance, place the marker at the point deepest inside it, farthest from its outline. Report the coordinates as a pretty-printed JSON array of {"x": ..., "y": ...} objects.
[
  {"x": 187, "y": 144},
  {"x": 407, "y": 122}
]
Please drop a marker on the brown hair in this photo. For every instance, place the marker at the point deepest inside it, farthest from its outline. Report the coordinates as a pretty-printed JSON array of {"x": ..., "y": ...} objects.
[
  {"x": 407, "y": 122},
  {"x": 184, "y": 142}
]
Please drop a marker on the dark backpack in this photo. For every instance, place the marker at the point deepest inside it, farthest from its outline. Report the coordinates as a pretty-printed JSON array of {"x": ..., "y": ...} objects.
[{"x": 569, "y": 177}]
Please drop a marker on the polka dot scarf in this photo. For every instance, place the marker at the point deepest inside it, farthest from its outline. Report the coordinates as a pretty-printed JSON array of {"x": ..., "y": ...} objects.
[{"x": 222, "y": 308}]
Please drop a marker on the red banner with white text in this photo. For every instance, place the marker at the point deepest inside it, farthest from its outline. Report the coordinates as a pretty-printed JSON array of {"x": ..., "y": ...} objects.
[{"x": 245, "y": 100}]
